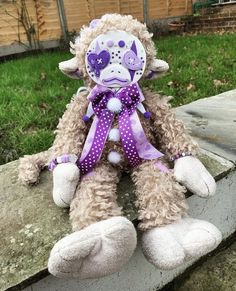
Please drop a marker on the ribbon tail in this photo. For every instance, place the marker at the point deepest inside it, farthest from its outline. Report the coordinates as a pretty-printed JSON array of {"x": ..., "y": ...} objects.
[
  {"x": 95, "y": 141},
  {"x": 127, "y": 139},
  {"x": 145, "y": 149}
]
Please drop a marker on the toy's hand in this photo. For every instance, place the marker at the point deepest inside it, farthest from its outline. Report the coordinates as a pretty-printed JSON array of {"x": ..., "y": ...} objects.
[
  {"x": 190, "y": 172},
  {"x": 65, "y": 181}
]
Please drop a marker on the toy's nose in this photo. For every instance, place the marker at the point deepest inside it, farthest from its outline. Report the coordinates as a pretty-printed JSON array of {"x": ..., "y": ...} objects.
[{"x": 116, "y": 70}]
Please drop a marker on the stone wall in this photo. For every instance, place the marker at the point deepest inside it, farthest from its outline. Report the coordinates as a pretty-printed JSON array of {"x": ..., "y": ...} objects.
[{"x": 216, "y": 18}]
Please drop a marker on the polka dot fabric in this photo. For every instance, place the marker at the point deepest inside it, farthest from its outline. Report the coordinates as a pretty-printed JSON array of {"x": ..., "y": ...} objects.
[{"x": 130, "y": 97}]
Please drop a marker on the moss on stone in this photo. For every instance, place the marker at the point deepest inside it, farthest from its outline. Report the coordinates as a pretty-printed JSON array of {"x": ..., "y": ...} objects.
[{"x": 217, "y": 273}]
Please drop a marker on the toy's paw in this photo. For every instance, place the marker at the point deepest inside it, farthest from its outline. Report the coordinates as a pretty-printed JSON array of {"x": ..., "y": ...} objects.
[
  {"x": 95, "y": 251},
  {"x": 65, "y": 181},
  {"x": 169, "y": 246},
  {"x": 201, "y": 238},
  {"x": 190, "y": 172},
  {"x": 162, "y": 249}
]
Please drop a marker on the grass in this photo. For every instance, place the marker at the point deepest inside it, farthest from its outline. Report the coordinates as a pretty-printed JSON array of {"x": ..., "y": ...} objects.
[{"x": 33, "y": 93}]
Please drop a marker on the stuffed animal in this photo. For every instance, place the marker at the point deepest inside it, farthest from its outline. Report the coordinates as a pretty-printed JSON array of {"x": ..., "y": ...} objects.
[{"x": 115, "y": 126}]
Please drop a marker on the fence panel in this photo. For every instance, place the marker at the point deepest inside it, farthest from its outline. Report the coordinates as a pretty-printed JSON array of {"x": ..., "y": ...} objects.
[
  {"x": 77, "y": 13},
  {"x": 40, "y": 14},
  {"x": 44, "y": 15},
  {"x": 168, "y": 8}
]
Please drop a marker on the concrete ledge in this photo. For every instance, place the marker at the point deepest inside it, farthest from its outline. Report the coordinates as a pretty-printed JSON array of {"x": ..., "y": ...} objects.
[
  {"x": 30, "y": 223},
  {"x": 16, "y": 48}
]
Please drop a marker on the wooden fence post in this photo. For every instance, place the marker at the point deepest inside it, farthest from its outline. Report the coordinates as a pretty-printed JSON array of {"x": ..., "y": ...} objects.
[
  {"x": 62, "y": 16},
  {"x": 145, "y": 11}
]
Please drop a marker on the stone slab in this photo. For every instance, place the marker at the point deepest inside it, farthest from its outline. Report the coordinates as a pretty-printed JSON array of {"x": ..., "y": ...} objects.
[
  {"x": 30, "y": 223},
  {"x": 213, "y": 123},
  {"x": 138, "y": 274},
  {"x": 217, "y": 273}
]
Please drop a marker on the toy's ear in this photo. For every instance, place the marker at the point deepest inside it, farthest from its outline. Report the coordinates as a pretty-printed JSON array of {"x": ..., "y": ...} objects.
[
  {"x": 70, "y": 68},
  {"x": 157, "y": 69}
]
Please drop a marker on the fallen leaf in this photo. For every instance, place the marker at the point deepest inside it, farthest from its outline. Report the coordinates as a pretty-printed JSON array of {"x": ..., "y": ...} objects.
[
  {"x": 210, "y": 69},
  {"x": 191, "y": 87},
  {"x": 43, "y": 76},
  {"x": 170, "y": 84},
  {"x": 217, "y": 83},
  {"x": 44, "y": 106},
  {"x": 194, "y": 63}
]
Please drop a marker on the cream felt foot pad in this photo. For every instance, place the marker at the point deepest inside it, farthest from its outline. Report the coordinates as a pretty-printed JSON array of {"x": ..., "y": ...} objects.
[
  {"x": 95, "y": 251},
  {"x": 169, "y": 246},
  {"x": 162, "y": 249},
  {"x": 202, "y": 238}
]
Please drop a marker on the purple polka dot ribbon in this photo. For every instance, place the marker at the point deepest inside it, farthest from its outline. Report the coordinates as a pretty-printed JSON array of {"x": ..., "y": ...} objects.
[{"x": 134, "y": 142}]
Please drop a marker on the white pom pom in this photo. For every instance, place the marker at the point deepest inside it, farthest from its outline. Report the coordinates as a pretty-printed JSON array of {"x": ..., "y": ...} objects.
[
  {"x": 114, "y": 104},
  {"x": 114, "y": 157},
  {"x": 114, "y": 134}
]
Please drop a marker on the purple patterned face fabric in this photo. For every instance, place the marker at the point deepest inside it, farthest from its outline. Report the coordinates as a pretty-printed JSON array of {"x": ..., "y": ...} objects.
[
  {"x": 134, "y": 141},
  {"x": 115, "y": 59}
]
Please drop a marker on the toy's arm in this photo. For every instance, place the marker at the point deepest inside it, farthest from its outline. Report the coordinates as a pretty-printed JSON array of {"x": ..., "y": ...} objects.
[
  {"x": 171, "y": 132},
  {"x": 177, "y": 144},
  {"x": 71, "y": 130},
  {"x": 70, "y": 136}
]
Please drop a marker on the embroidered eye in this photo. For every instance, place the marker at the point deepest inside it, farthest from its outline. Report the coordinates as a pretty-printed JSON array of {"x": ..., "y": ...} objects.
[
  {"x": 98, "y": 61},
  {"x": 132, "y": 61}
]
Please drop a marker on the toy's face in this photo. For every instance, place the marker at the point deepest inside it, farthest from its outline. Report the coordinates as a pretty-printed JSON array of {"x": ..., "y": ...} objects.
[{"x": 115, "y": 59}]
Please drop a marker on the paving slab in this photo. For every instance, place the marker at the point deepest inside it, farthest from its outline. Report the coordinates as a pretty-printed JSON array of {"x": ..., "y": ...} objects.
[
  {"x": 213, "y": 123},
  {"x": 217, "y": 273}
]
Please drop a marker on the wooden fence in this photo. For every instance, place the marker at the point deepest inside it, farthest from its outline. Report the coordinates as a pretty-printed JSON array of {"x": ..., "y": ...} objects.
[{"x": 44, "y": 20}]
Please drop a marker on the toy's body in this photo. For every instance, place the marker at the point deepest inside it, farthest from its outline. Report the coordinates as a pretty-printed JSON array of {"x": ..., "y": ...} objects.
[{"x": 119, "y": 136}]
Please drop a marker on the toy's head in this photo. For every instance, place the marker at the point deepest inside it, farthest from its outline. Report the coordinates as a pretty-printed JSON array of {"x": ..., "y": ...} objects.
[
  {"x": 114, "y": 51},
  {"x": 115, "y": 59}
]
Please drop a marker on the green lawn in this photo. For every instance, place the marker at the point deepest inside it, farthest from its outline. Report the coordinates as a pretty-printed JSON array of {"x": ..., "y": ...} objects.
[{"x": 33, "y": 92}]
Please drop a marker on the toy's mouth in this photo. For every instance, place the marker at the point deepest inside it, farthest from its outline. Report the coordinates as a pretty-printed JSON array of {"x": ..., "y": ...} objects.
[{"x": 115, "y": 80}]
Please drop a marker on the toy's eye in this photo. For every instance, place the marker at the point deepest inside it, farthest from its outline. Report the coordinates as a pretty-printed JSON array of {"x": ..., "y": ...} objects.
[
  {"x": 98, "y": 61},
  {"x": 132, "y": 61}
]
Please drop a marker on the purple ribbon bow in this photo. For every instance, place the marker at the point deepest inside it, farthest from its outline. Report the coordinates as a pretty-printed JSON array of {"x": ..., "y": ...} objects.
[{"x": 134, "y": 142}]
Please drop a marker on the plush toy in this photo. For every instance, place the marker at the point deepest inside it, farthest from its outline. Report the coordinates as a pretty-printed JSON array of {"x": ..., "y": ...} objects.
[{"x": 116, "y": 126}]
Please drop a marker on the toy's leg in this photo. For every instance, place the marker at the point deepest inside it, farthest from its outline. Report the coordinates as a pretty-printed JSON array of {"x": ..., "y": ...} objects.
[
  {"x": 170, "y": 237},
  {"x": 103, "y": 240}
]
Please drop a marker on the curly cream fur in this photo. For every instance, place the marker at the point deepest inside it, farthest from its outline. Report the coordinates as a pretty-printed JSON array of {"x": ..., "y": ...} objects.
[
  {"x": 71, "y": 130},
  {"x": 95, "y": 198},
  {"x": 170, "y": 132},
  {"x": 30, "y": 167},
  {"x": 160, "y": 200}
]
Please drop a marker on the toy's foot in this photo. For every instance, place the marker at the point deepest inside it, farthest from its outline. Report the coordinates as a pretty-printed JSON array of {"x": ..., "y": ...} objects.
[
  {"x": 201, "y": 238},
  {"x": 96, "y": 251},
  {"x": 162, "y": 249},
  {"x": 169, "y": 246}
]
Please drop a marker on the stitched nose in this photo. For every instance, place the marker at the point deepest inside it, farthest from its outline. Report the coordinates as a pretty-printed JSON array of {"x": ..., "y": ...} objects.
[{"x": 115, "y": 71}]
